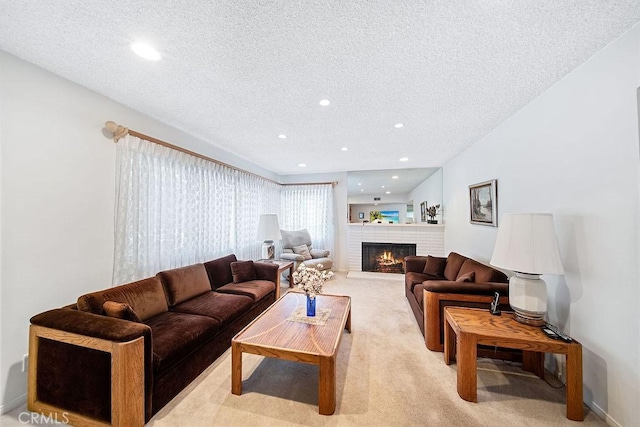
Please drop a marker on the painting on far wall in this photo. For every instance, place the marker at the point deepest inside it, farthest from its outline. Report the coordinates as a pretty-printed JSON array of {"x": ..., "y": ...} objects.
[
  {"x": 387, "y": 217},
  {"x": 483, "y": 203}
]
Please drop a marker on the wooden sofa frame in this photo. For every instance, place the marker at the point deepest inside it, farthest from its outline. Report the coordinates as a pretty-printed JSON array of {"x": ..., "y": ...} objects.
[{"x": 127, "y": 378}]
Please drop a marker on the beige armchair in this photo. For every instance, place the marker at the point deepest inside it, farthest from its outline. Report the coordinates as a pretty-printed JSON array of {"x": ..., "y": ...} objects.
[{"x": 296, "y": 246}]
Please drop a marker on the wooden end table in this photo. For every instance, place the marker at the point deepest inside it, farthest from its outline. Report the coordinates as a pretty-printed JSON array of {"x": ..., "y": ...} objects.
[
  {"x": 465, "y": 328},
  {"x": 272, "y": 335},
  {"x": 284, "y": 265}
]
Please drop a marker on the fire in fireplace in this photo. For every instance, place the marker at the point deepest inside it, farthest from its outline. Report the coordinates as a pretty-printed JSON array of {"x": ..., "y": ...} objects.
[{"x": 385, "y": 257}]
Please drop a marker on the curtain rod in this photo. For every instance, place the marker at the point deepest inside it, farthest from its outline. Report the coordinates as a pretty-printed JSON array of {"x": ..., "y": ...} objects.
[{"x": 120, "y": 131}]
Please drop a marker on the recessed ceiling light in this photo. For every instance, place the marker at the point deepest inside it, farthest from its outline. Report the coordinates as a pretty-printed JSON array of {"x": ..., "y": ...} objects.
[
  {"x": 281, "y": 136},
  {"x": 324, "y": 102},
  {"x": 394, "y": 177},
  {"x": 398, "y": 125},
  {"x": 344, "y": 149},
  {"x": 302, "y": 165},
  {"x": 388, "y": 192},
  {"x": 362, "y": 189},
  {"x": 359, "y": 183},
  {"x": 375, "y": 204},
  {"x": 404, "y": 159},
  {"x": 382, "y": 186},
  {"x": 146, "y": 51}
]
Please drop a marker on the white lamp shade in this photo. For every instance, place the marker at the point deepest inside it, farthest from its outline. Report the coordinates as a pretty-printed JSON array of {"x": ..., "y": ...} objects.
[
  {"x": 268, "y": 227},
  {"x": 527, "y": 243}
]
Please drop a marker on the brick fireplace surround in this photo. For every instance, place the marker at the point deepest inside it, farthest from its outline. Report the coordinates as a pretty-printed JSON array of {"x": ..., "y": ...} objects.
[{"x": 429, "y": 239}]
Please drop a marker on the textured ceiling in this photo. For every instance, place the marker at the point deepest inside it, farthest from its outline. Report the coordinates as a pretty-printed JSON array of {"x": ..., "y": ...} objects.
[{"x": 239, "y": 73}]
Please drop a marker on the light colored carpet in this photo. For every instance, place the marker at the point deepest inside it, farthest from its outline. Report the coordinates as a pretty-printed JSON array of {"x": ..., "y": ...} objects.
[{"x": 385, "y": 377}]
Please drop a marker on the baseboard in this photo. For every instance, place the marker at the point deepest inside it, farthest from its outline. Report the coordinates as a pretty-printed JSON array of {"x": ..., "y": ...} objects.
[
  {"x": 602, "y": 414},
  {"x": 374, "y": 276},
  {"x": 592, "y": 405},
  {"x": 10, "y": 406}
]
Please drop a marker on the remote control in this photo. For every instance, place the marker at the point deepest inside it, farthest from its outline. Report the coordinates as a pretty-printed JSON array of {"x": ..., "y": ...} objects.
[
  {"x": 494, "y": 306},
  {"x": 564, "y": 337},
  {"x": 548, "y": 332}
]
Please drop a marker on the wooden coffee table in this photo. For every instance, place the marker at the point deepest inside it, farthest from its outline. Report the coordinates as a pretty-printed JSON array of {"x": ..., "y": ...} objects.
[
  {"x": 465, "y": 328},
  {"x": 272, "y": 335}
]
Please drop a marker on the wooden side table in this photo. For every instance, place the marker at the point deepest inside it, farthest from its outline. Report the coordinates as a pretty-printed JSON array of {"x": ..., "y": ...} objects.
[
  {"x": 465, "y": 328},
  {"x": 283, "y": 266}
]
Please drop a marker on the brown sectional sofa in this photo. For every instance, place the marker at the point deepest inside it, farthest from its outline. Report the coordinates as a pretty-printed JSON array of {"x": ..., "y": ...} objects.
[
  {"x": 120, "y": 354},
  {"x": 432, "y": 283}
]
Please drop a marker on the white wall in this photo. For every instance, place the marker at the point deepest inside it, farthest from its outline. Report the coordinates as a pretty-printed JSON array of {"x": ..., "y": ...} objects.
[
  {"x": 573, "y": 152},
  {"x": 430, "y": 190},
  {"x": 57, "y": 199}
]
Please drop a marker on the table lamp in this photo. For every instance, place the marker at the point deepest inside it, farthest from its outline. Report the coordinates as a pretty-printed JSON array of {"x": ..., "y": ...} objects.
[
  {"x": 268, "y": 231},
  {"x": 527, "y": 245}
]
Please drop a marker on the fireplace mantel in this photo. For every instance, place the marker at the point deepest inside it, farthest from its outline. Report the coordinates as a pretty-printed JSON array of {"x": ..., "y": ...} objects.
[{"x": 428, "y": 238}]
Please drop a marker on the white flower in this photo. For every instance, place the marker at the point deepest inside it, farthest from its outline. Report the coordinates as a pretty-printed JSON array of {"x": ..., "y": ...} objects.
[{"x": 310, "y": 280}]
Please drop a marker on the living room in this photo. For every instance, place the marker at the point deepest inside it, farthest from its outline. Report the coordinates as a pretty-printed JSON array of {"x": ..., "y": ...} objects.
[{"x": 571, "y": 150}]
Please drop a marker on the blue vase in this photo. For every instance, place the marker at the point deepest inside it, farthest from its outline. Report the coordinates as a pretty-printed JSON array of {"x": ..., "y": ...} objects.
[{"x": 311, "y": 306}]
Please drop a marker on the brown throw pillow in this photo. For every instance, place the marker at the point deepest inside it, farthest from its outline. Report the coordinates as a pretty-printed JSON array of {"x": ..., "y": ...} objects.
[
  {"x": 467, "y": 277},
  {"x": 120, "y": 310},
  {"x": 243, "y": 271},
  {"x": 435, "y": 266},
  {"x": 302, "y": 250}
]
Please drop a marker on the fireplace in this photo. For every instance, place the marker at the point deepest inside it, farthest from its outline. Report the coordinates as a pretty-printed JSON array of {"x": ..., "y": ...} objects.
[{"x": 386, "y": 257}]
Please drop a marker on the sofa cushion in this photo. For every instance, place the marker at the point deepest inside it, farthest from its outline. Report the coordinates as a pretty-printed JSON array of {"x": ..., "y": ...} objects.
[
  {"x": 412, "y": 279},
  {"x": 220, "y": 306},
  {"x": 256, "y": 289},
  {"x": 243, "y": 271},
  {"x": 418, "y": 293},
  {"x": 176, "y": 335},
  {"x": 319, "y": 253},
  {"x": 295, "y": 238},
  {"x": 120, "y": 310},
  {"x": 184, "y": 283},
  {"x": 484, "y": 273},
  {"x": 326, "y": 263},
  {"x": 454, "y": 262},
  {"x": 302, "y": 250},
  {"x": 145, "y": 297},
  {"x": 219, "y": 271},
  {"x": 466, "y": 277},
  {"x": 435, "y": 266}
]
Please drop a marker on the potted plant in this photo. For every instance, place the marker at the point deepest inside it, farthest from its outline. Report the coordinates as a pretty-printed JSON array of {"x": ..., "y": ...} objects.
[{"x": 432, "y": 211}]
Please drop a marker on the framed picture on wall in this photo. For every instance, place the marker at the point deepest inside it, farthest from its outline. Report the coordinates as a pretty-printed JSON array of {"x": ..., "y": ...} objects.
[
  {"x": 391, "y": 217},
  {"x": 483, "y": 203},
  {"x": 423, "y": 211},
  {"x": 361, "y": 215}
]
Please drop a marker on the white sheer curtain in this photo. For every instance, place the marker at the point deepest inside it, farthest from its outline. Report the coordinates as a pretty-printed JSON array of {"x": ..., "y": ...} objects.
[
  {"x": 174, "y": 209},
  {"x": 310, "y": 207}
]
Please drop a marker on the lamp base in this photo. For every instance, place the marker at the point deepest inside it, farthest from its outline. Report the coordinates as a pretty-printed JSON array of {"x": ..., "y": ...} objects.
[
  {"x": 528, "y": 298},
  {"x": 529, "y": 321},
  {"x": 268, "y": 250}
]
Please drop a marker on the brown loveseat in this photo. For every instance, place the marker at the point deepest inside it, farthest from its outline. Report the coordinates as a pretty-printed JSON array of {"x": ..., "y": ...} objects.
[
  {"x": 120, "y": 354},
  {"x": 432, "y": 283}
]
